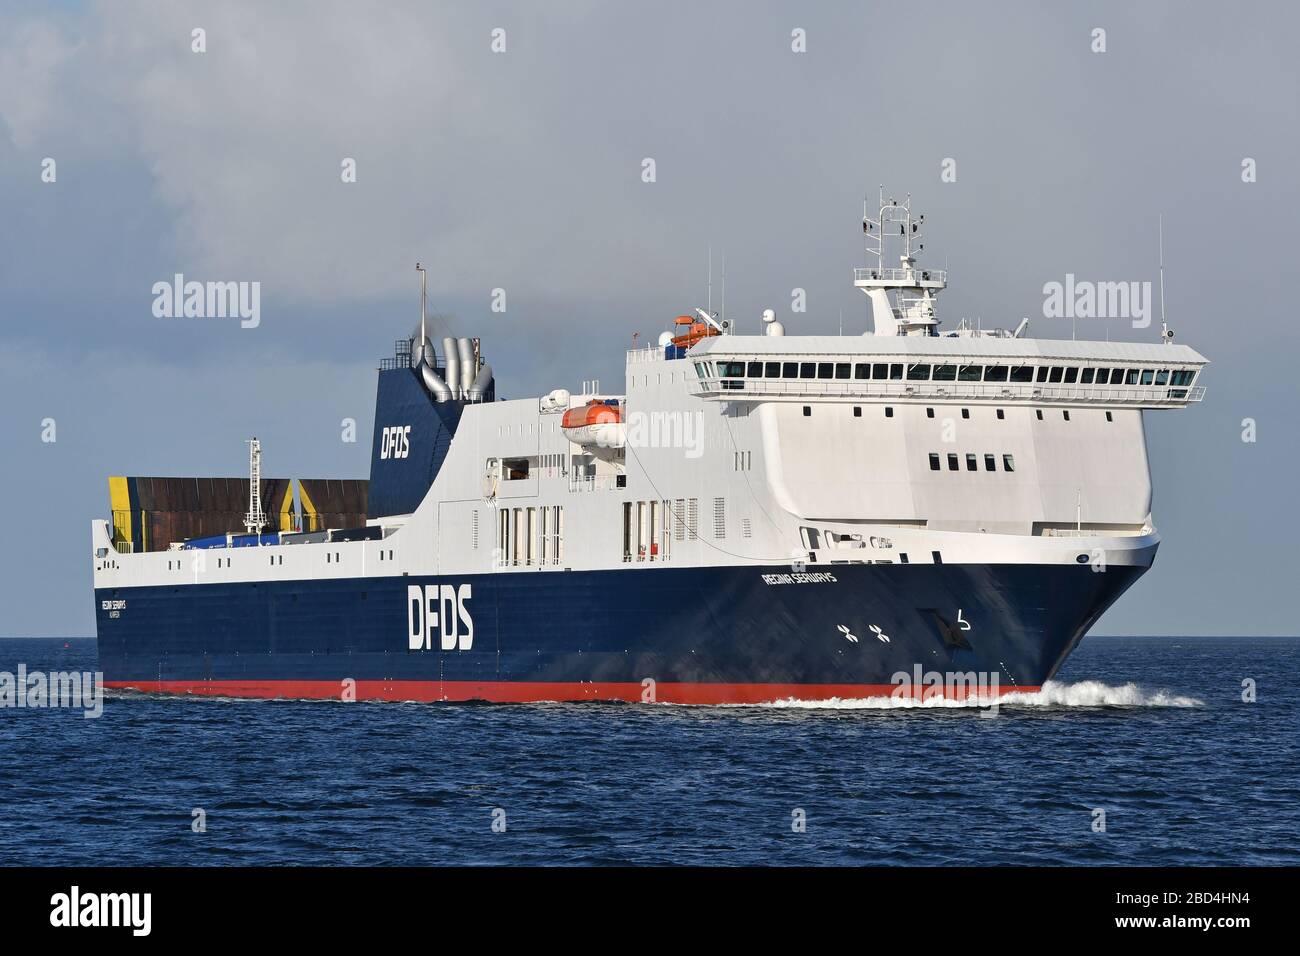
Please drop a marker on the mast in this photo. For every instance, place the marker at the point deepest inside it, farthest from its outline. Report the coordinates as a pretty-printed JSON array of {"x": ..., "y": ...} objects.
[
  {"x": 911, "y": 310},
  {"x": 255, "y": 520}
]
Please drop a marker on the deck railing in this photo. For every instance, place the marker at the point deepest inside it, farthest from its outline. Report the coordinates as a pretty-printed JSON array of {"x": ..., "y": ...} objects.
[{"x": 739, "y": 389}]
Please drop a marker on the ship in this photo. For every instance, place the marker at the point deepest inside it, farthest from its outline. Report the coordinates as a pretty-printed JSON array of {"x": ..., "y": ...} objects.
[{"x": 754, "y": 517}]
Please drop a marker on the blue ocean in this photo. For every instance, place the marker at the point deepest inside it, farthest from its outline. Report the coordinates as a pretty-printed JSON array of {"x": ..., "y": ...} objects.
[{"x": 1143, "y": 751}]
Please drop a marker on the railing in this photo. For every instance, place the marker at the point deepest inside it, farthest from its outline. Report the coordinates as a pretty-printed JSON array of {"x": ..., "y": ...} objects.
[
  {"x": 935, "y": 276},
  {"x": 650, "y": 353},
  {"x": 596, "y": 482},
  {"x": 735, "y": 389}
]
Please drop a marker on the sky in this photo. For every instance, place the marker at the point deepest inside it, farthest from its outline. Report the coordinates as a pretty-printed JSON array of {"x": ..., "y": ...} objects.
[{"x": 523, "y": 169}]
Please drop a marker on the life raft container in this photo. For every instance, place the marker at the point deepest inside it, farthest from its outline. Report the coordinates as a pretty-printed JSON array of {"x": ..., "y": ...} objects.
[{"x": 599, "y": 422}]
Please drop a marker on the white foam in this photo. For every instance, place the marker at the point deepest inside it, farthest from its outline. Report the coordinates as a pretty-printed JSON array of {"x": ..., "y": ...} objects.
[{"x": 1088, "y": 693}]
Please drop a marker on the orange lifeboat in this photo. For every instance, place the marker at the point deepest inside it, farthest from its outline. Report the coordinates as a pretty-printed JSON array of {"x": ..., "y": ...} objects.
[
  {"x": 599, "y": 422},
  {"x": 695, "y": 330}
]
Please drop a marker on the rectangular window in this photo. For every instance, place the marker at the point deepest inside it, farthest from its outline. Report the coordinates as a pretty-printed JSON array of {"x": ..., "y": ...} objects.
[
  {"x": 990, "y": 463},
  {"x": 995, "y": 373},
  {"x": 952, "y": 462},
  {"x": 772, "y": 370},
  {"x": 889, "y": 412},
  {"x": 1071, "y": 375},
  {"x": 1054, "y": 374},
  {"x": 733, "y": 369},
  {"x": 934, "y": 462},
  {"x": 880, "y": 371},
  {"x": 1131, "y": 377},
  {"x": 1041, "y": 375},
  {"x": 1086, "y": 377},
  {"x": 1022, "y": 373},
  {"x": 1001, "y": 414},
  {"x": 824, "y": 370},
  {"x": 790, "y": 370},
  {"x": 862, "y": 370},
  {"x": 918, "y": 373},
  {"x": 945, "y": 373},
  {"x": 1148, "y": 376},
  {"x": 1103, "y": 376},
  {"x": 1008, "y": 463},
  {"x": 896, "y": 372},
  {"x": 1065, "y": 415},
  {"x": 755, "y": 370},
  {"x": 842, "y": 369},
  {"x": 1162, "y": 377},
  {"x": 808, "y": 370},
  {"x": 857, "y": 411},
  {"x": 972, "y": 463},
  {"x": 807, "y": 411},
  {"x": 1109, "y": 417},
  {"x": 971, "y": 373},
  {"x": 965, "y": 413}
]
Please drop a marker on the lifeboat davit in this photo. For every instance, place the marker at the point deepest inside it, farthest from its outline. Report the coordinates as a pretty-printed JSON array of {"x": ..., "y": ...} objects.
[
  {"x": 689, "y": 331},
  {"x": 599, "y": 422}
]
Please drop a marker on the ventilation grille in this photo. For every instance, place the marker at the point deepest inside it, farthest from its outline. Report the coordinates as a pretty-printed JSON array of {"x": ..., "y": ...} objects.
[
  {"x": 745, "y": 530},
  {"x": 679, "y": 519},
  {"x": 693, "y": 517},
  {"x": 719, "y": 517},
  {"x": 473, "y": 529}
]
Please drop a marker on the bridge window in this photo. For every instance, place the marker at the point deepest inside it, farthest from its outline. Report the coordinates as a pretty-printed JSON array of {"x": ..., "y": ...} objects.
[
  {"x": 1071, "y": 375},
  {"x": 995, "y": 373},
  {"x": 1162, "y": 377},
  {"x": 824, "y": 370},
  {"x": 1147, "y": 376},
  {"x": 808, "y": 370},
  {"x": 755, "y": 370},
  {"x": 1131, "y": 377},
  {"x": 971, "y": 373},
  {"x": 1041, "y": 374},
  {"x": 1086, "y": 377},
  {"x": 896, "y": 372},
  {"x": 934, "y": 462},
  {"x": 842, "y": 369},
  {"x": 1008, "y": 463},
  {"x": 790, "y": 370},
  {"x": 1054, "y": 374},
  {"x": 945, "y": 373},
  {"x": 862, "y": 370},
  {"x": 1103, "y": 376},
  {"x": 733, "y": 369},
  {"x": 880, "y": 371},
  {"x": 918, "y": 373},
  {"x": 772, "y": 370}
]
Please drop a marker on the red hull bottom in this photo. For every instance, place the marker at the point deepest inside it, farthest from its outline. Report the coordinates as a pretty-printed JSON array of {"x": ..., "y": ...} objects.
[{"x": 525, "y": 692}]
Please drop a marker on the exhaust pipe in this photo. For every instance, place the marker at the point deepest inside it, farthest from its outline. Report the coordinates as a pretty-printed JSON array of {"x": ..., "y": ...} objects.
[
  {"x": 436, "y": 386},
  {"x": 465, "y": 365},
  {"x": 482, "y": 382},
  {"x": 453, "y": 365}
]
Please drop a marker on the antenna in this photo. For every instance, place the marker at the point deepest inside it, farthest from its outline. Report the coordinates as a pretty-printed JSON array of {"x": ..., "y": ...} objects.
[
  {"x": 423, "y": 336},
  {"x": 710, "y": 304},
  {"x": 1165, "y": 332},
  {"x": 724, "y": 286}
]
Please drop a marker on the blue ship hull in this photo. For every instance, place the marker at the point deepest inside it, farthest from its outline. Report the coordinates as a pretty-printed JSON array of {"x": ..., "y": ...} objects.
[{"x": 691, "y": 635}]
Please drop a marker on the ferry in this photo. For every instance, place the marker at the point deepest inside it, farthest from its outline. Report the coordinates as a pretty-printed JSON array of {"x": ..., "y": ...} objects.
[{"x": 750, "y": 518}]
